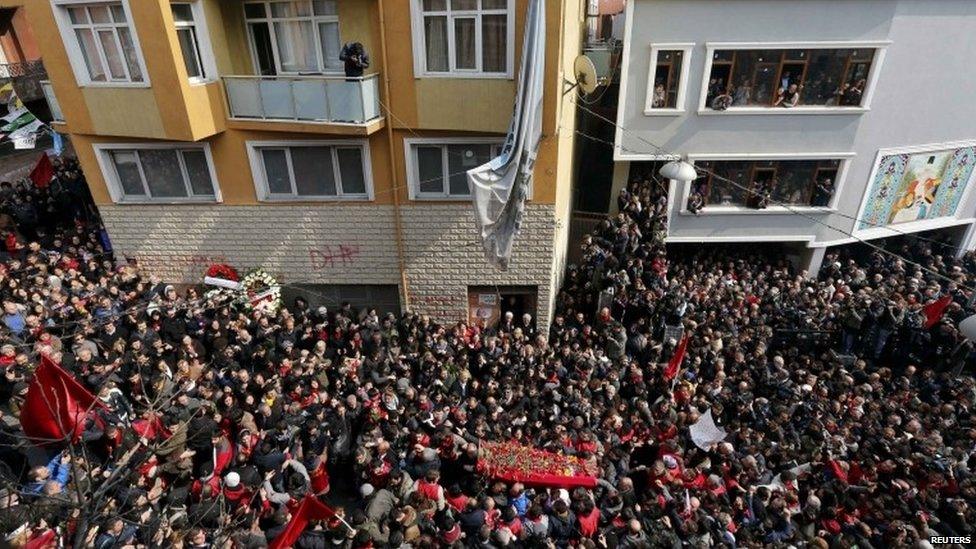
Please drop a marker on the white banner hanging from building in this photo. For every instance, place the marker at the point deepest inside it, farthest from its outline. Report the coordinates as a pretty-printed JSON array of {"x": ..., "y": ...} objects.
[{"x": 499, "y": 187}]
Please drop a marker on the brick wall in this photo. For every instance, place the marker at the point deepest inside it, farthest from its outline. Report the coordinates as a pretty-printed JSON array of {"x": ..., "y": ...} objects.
[{"x": 337, "y": 244}]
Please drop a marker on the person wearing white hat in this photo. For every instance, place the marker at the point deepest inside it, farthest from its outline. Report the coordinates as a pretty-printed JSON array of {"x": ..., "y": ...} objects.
[{"x": 235, "y": 492}]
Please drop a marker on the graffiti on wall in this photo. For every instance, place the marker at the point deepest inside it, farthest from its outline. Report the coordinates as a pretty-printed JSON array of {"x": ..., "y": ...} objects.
[{"x": 330, "y": 256}]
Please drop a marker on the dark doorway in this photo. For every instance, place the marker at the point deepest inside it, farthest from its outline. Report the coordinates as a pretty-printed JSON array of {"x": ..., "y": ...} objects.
[{"x": 487, "y": 304}]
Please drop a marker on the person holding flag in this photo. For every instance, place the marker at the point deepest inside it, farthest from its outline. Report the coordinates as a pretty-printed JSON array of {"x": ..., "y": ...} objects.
[{"x": 674, "y": 364}]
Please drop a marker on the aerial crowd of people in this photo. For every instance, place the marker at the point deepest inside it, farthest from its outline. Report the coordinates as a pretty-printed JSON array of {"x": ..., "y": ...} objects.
[{"x": 849, "y": 418}]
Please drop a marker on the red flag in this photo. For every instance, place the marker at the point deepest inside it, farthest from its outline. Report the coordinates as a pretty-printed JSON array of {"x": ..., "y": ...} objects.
[
  {"x": 43, "y": 172},
  {"x": 933, "y": 311},
  {"x": 56, "y": 404},
  {"x": 44, "y": 540},
  {"x": 675, "y": 363},
  {"x": 309, "y": 509}
]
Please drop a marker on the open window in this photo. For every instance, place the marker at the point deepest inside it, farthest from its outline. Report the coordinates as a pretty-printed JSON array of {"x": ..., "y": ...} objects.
[
  {"x": 831, "y": 77},
  {"x": 667, "y": 78},
  {"x": 794, "y": 183}
]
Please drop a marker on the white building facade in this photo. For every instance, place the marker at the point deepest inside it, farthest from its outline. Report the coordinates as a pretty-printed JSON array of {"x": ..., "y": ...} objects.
[{"x": 855, "y": 118}]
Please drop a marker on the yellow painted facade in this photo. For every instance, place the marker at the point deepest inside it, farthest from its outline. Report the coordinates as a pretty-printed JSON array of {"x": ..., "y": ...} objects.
[{"x": 169, "y": 108}]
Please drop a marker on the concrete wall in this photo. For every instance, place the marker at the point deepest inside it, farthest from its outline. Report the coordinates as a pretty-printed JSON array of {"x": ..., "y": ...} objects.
[
  {"x": 337, "y": 244},
  {"x": 923, "y": 95}
]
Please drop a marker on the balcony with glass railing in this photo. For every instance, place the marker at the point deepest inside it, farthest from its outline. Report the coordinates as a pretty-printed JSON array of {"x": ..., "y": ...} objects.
[{"x": 315, "y": 99}]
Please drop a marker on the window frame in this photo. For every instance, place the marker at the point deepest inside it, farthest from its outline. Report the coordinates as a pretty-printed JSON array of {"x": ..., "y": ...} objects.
[
  {"x": 417, "y": 14},
  {"x": 260, "y": 176},
  {"x": 201, "y": 37},
  {"x": 410, "y": 146},
  {"x": 270, "y": 20},
  {"x": 73, "y": 48},
  {"x": 845, "y": 159},
  {"x": 879, "y": 46},
  {"x": 687, "y": 48},
  {"x": 103, "y": 154}
]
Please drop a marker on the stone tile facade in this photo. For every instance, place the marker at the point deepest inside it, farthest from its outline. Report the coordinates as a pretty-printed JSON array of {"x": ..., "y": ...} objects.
[{"x": 338, "y": 244}]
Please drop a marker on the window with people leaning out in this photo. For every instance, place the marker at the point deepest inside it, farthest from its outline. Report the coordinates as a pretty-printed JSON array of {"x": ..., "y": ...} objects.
[
  {"x": 788, "y": 78},
  {"x": 758, "y": 184}
]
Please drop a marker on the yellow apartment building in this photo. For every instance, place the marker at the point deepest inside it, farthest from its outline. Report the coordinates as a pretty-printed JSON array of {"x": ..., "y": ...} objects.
[{"x": 226, "y": 131}]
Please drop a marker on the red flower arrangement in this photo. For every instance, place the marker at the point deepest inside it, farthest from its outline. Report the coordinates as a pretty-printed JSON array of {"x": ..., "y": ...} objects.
[
  {"x": 224, "y": 271},
  {"x": 514, "y": 462}
]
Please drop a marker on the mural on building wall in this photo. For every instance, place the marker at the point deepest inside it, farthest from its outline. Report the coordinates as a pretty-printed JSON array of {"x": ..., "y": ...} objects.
[{"x": 917, "y": 186}]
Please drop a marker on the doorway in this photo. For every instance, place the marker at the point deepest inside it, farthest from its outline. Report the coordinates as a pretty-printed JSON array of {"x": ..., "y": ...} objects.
[{"x": 487, "y": 304}]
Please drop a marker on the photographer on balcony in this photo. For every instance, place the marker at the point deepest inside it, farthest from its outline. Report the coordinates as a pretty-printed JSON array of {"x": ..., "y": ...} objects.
[{"x": 355, "y": 58}]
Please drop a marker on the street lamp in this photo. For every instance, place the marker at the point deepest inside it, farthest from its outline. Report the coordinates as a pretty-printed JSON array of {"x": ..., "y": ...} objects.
[
  {"x": 679, "y": 170},
  {"x": 968, "y": 327}
]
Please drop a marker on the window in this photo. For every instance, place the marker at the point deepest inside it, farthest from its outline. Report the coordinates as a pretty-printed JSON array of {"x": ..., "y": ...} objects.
[
  {"x": 165, "y": 173},
  {"x": 439, "y": 169},
  {"x": 818, "y": 76},
  {"x": 103, "y": 48},
  {"x": 667, "y": 78},
  {"x": 311, "y": 170},
  {"x": 463, "y": 37},
  {"x": 194, "y": 43},
  {"x": 296, "y": 36},
  {"x": 790, "y": 182}
]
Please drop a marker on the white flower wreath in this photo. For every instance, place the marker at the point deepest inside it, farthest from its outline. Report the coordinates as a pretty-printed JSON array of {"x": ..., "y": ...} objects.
[{"x": 260, "y": 284}]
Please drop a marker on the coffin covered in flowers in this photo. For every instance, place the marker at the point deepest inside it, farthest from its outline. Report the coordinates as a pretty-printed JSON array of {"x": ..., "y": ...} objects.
[{"x": 514, "y": 462}]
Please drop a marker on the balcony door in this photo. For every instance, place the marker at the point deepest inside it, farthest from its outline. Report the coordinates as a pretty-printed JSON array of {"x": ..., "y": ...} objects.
[{"x": 294, "y": 36}]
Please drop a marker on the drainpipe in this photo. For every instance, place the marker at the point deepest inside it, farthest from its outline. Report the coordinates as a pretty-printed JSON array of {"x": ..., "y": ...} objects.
[{"x": 394, "y": 179}]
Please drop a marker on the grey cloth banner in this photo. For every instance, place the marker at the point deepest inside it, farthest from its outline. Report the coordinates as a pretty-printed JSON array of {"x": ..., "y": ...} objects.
[{"x": 499, "y": 187}]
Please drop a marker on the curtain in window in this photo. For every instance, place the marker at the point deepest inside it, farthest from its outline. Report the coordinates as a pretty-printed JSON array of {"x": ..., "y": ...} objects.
[
  {"x": 96, "y": 71},
  {"x": 296, "y": 46},
  {"x": 435, "y": 37},
  {"x": 113, "y": 56},
  {"x": 494, "y": 36},
  {"x": 131, "y": 58},
  {"x": 331, "y": 45},
  {"x": 464, "y": 43}
]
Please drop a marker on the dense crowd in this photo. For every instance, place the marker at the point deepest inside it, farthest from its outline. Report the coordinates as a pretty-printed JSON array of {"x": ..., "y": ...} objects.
[{"x": 215, "y": 422}]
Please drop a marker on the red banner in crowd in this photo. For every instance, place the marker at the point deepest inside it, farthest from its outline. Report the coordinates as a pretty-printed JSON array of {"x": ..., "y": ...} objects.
[
  {"x": 308, "y": 510},
  {"x": 56, "y": 404},
  {"x": 514, "y": 462},
  {"x": 933, "y": 311},
  {"x": 675, "y": 363}
]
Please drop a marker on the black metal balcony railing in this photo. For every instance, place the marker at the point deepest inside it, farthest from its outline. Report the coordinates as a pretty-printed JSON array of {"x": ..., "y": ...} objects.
[{"x": 33, "y": 69}]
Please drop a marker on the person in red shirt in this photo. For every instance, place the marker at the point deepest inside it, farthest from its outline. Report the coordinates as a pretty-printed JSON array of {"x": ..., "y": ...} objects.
[
  {"x": 237, "y": 494},
  {"x": 456, "y": 498},
  {"x": 588, "y": 517},
  {"x": 430, "y": 488},
  {"x": 318, "y": 476}
]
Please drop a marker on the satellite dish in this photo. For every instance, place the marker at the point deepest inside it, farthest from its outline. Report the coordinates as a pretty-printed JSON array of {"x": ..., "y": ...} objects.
[{"x": 585, "y": 72}]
